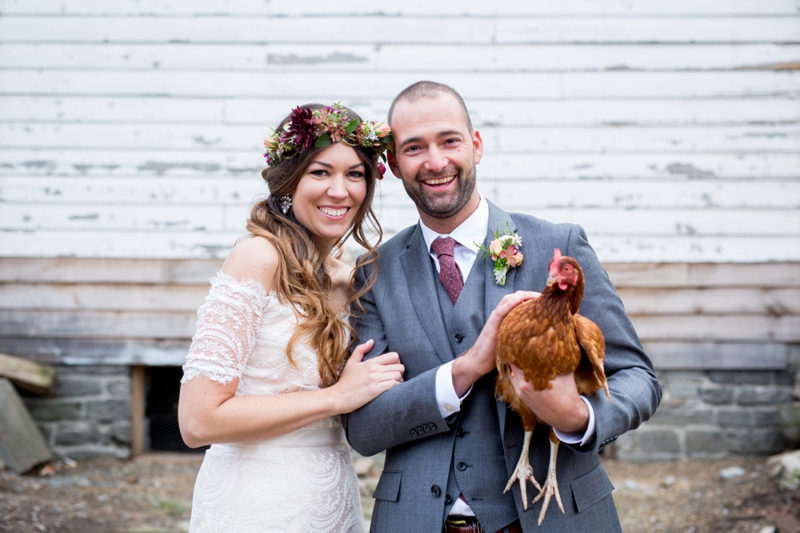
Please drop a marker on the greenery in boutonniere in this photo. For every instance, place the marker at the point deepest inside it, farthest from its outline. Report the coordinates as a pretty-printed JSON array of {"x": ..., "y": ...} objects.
[{"x": 504, "y": 251}]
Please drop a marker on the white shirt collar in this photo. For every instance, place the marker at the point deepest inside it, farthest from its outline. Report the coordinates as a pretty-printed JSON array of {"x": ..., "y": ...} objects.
[{"x": 468, "y": 232}]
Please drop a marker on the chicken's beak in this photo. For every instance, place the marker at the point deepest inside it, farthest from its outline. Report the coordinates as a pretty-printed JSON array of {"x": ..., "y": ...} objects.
[{"x": 552, "y": 281}]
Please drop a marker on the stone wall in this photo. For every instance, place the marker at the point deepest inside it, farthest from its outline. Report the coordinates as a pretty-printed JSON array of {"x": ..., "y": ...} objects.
[
  {"x": 89, "y": 413},
  {"x": 713, "y": 414}
]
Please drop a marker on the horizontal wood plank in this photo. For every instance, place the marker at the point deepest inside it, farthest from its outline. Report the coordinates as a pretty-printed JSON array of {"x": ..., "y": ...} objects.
[
  {"x": 406, "y": 29},
  {"x": 181, "y": 325},
  {"x": 103, "y": 218},
  {"x": 97, "y": 324},
  {"x": 738, "y": 222},
  {"x": 187, "y": 298},
  {"x": 394, "y": 57},
  {"x": 484, "y": 111},
  {"x": 303, "y": 86},
  {"x": 209, "y": 245},
  {"x": 98, "y": 351},
  {"x": 410, "y": 7},
  {"x": 107, "y": 297},
  {"x": 523, "y": 195},
  {"x": 197, "y": 272},
  {"x": 776, "y": 138},
  {"x": 744, "y": 328},
  {"x": 665, "y": 355},
  {"x": 677, "y": 275},
  {"x": 695, "y": 302},
  {"x": 717, "y": 355},
  {"x": 18, "y": 166},
  {"x": 112, "y": 271}
]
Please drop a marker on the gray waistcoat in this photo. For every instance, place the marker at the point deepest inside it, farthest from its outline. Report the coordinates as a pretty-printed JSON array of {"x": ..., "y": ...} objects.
[{"x": 477, "y": 449}]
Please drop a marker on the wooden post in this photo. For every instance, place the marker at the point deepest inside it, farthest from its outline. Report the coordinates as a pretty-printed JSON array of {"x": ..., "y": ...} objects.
[{"x": 137, "y": 410}]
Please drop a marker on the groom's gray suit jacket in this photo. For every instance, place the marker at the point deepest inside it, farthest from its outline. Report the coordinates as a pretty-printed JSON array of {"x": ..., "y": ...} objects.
[{"x": 430, "y": 460}]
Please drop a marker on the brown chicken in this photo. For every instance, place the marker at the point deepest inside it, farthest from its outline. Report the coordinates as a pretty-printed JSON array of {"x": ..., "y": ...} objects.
[{"x": 545, "y": 338}]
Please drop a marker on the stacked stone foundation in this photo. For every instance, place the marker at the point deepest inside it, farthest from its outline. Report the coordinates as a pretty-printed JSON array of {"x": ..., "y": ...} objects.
[{"x": 716, "y": 414}]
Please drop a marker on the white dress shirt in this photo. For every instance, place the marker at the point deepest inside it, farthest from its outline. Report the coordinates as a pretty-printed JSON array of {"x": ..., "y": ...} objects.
[{"x": 473, "y": 230}]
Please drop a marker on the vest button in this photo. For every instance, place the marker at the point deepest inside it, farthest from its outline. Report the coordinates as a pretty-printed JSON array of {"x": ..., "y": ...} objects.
[
  {"x": 459, "y": 337},
  {"x": 413, "y": 432},
  {"x": 436, "y": 491},
  {"x": 461, "y": 466},
  {"x": 448, "y": 499},
  {"x": 460, "y": 433}
]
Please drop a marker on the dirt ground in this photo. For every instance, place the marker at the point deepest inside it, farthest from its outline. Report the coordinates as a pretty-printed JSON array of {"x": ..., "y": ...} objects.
[{"x": 152, "y": 494}]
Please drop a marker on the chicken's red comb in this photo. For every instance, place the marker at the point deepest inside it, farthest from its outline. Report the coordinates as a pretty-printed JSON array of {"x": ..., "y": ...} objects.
[{"x": 556, "y": 255}]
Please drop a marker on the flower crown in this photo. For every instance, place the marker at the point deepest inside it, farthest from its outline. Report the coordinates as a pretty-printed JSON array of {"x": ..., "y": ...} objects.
[{"x": 321, "y": 127}]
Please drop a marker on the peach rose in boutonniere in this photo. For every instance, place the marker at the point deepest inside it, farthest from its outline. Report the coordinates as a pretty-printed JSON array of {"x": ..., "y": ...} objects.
[{"x": 504, "y": 251}]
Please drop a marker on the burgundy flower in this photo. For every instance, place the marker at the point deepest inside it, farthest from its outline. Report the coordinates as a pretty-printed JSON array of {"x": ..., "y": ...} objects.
[
  {"x": 302, "y": 128},
  {"x": 381, "y": 169}
]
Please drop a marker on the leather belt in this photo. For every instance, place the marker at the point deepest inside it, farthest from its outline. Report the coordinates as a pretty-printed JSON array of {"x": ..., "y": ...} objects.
[{"x": 469, "y": 524}]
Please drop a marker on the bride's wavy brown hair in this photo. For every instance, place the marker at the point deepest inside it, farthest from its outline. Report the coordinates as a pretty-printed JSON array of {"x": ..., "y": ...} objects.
[{"x": 302, "y": 278}]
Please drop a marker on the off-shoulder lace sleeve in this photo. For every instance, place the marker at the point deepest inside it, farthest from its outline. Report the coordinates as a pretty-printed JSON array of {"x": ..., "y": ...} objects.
[{"x": 227, "y": 324}]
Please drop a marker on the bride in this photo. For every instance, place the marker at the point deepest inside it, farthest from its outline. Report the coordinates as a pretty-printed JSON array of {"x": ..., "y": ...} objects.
[{"x": 267, "y": 373}]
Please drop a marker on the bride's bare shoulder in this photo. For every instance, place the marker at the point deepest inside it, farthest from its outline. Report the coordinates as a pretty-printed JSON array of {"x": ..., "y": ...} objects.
[{"x": 254, "y": 258}]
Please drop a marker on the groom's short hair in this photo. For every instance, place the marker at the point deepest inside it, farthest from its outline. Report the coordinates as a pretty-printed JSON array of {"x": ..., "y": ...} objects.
[{"x": 428, "y": 89}]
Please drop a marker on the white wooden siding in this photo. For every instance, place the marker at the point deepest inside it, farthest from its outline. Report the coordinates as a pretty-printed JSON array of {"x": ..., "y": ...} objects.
[
  {"x": 669, "y": 130},
  {"x": 87, "y": 311}
]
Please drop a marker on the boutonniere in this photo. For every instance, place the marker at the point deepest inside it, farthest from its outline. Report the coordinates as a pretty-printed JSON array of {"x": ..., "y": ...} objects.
[{"x": 504, "y": 251}]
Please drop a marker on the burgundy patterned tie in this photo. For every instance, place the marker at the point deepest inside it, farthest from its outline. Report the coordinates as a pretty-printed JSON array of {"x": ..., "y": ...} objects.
[{"x": 449, "y": 273}]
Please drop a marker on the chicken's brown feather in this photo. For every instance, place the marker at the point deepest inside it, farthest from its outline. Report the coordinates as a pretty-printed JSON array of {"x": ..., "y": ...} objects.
[{"x": 590, "y": 375}]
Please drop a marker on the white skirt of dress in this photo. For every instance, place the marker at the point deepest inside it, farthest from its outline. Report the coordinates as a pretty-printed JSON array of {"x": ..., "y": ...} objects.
[{"x": 300, "y": 482}]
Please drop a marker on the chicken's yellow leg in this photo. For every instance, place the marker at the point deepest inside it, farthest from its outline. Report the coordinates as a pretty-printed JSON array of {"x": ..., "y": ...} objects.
[
  {"x": 550, "y": 484},
  {"x": 524, "y": 472}
]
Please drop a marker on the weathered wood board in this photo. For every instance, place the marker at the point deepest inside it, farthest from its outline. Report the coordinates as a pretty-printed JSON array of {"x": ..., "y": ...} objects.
[
  {"x": 484, "y": 111},
  {"x": 410, "y": 7},
  {"x": 443, "y": 57},
  {"x": 408, "y": 29},
  {"x": 21, "y": 444},
  {"x": 33, "y": 377}
]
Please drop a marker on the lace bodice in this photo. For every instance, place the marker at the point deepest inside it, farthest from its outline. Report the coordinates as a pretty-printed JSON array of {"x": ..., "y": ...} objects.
[{"x": 242, "y": 332}]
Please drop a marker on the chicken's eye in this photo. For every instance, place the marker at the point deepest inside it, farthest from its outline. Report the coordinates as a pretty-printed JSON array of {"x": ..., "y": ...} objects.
[{"x": 567, "y": 268}]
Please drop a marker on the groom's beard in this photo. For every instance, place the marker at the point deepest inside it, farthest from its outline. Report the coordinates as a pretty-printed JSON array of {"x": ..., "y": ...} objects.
[{"x": 443, "y": 204}]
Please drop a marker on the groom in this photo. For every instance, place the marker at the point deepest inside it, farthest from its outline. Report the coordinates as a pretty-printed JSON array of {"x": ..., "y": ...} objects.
[{"x": 450, "y": 445}]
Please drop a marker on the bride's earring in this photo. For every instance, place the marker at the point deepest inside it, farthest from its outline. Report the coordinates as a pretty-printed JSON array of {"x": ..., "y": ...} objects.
[{"x": 285, "y": 203}]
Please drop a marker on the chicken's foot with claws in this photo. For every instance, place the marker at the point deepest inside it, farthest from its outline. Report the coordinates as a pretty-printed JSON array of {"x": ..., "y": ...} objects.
[
  {"x": 551, "y": 483},
  {"x": 524, "y": 472}
]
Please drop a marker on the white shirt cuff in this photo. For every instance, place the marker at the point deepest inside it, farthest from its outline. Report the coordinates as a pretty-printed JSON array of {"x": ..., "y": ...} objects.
[
  {"x": 577, "y": 438},
  {"x": 446, "y": 398}
]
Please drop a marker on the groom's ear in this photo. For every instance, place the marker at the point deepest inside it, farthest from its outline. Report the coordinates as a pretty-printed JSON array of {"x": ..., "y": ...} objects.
[
  {"x": 393, "y": 164},
  {"x": 477, "y": 144}
]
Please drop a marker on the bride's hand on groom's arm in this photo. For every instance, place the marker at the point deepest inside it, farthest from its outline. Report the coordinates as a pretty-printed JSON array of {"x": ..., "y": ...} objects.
[
  {"x": 480, "y": 358},
  {"x": 363, "y": 381}
]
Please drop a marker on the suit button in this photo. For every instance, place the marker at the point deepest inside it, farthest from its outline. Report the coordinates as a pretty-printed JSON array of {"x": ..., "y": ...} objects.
[
  {"x": 447, "y": 499},
  {"x": 460, "y": 432},
  {"x": 459, "y": 337},
  {"x": 419, "y": 430},
  {"x": 413, "y": 432},
  {"x": 433, "y": 426},
  {"x": 425, "y": 428},
  {"x": 461, "y": 466},
  {"x": 436, "y": 491}
]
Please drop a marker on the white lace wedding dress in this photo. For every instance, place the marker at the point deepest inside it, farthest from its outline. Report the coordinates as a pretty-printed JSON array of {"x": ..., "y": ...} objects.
[{"x": 300, "y": 482}]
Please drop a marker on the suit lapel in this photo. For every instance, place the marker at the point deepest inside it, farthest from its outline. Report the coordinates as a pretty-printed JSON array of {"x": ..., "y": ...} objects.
[
  {"x": 494, "y": 292},
  {"x": 416, "y": 263}
]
